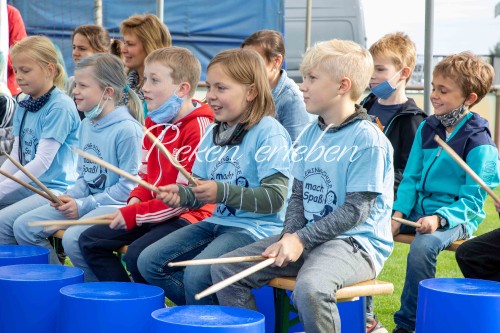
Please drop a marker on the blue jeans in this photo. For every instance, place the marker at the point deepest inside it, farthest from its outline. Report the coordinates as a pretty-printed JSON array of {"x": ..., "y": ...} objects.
[
  {"x": 98, "y": 243},
  {"x": 421, "y": 265},
  {"x": 13, "y": 210},
  {"x": 26, "y": 235},
  {"x": 72, "y": 247},
  {"x": 202, "y": 240}
]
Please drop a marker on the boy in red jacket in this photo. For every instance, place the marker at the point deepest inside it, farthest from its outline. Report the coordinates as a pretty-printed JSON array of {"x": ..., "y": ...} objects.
[{"x": 171, "y": 75}]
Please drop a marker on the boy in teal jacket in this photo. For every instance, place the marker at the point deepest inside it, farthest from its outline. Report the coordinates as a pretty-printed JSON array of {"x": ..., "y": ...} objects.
[{"x": 435, "y": 191}]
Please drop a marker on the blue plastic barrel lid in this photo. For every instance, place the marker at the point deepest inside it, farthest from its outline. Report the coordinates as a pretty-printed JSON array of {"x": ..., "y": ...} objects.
[
  {"x": 471, "y": 287},
  {"x": 112, "y": 291},
  {"x": 208, "y": 316},
  {"x": 19, "y": 251},
  {"x": 38, "y": 272}
]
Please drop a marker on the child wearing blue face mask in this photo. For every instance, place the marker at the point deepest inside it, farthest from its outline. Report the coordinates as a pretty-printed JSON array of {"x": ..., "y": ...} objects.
[
  {"x": 111, "y": 132},
  {"x": 435, "y": 190},
  {"x": 394, "y": 57},
  {"x": 44, "y": 124},
  {"x": 170, "y": 79}
]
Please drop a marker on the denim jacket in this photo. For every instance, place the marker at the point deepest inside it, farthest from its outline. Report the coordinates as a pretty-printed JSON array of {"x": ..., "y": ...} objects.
[{"x": 290, "y": 108}]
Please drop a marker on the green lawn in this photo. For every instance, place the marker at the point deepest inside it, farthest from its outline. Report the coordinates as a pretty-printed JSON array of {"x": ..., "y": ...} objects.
[{"x": 395, "y": 268}]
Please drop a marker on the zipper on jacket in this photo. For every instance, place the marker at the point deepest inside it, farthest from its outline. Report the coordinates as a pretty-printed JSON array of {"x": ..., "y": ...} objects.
[
  {"x": 386, "y": 129},
  {"x": 425, "y": 178}
]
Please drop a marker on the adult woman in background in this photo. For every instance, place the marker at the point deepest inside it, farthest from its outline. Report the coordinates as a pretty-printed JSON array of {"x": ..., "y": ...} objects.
[
  {"x": 290, "y": 108},
  {"x": 87, "y": 40},
  {"x": 142, "y": 35}
]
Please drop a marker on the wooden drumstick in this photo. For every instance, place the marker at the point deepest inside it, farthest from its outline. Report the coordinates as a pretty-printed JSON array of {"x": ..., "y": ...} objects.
[
  {"x": 67, "y": 223},
  {"x": 169, "y": 156},
  {"x": 216, "y": 261},
  {"x": 116, "y": 170},
  {"x": 52, "y": 196},
  {"x": 466, "y": 168},
  {"x": 243, "y": 274},
  {"x": 406, "y": 222},
  {"x": 379, "y": 124},
  {"x": 53, "y": 225},
  {"x": 28, "y": 186}
]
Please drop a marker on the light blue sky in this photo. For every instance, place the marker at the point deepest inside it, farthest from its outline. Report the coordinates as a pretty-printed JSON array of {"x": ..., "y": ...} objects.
[{"x": 459, "y": 25}]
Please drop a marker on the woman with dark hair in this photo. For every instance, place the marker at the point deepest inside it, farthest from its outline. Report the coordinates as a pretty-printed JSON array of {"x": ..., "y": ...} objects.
[
  {"x": 290, "y": 108},
  {"x": 88, "y": 40}
]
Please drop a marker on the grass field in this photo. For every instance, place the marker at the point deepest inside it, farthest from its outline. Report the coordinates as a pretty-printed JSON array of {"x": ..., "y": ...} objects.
[{"x": 395, "y": 268}]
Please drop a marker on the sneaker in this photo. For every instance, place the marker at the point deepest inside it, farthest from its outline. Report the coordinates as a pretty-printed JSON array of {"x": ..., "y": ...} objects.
[
  {"x": 399, "y": 329},
  {"x": 374, "y": 326}
]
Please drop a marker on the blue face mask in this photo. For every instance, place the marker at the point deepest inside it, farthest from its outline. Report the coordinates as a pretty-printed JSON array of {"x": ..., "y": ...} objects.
[
  {"x": 384, "y": 90},
  {"x": 96, "y": 110},
  {"x": 167, "y": 111}
]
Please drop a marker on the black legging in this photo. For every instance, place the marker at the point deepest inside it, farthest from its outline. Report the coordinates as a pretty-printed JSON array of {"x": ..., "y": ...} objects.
[
  {"x": 98, "y": 243},
  {"x": 479, "y": 257}
]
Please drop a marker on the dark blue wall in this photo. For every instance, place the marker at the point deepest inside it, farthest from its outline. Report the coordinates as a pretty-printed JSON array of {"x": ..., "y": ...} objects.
[{"x": 204, "y": 26}]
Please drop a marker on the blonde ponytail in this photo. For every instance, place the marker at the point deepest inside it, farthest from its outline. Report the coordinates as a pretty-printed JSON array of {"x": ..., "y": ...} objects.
[
  {"x": 59, "y": 77},
  {"x": 135, "y": 105}
]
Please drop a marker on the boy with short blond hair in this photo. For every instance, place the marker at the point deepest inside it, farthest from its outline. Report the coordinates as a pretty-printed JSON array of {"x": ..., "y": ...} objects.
[
  {"x": 394, "y": 57},
  {"x": 435, "y": 191},
  {"x": 171, "y": 76},
  {"x": 328, "y": 243}
]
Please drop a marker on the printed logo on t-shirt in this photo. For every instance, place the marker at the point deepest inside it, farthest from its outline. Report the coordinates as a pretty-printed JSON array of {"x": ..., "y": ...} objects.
[
  {"x": 318, "y": 195},
  {"x": 94, "y": 174},
  {"x": 227, "y": 170},
  {"x": 29, "y": 145}
]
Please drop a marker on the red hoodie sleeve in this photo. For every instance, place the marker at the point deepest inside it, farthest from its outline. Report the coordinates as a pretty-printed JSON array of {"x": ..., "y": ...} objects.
[
  {"x": 151, "y": 211},
  {"x": 183, "y": 146}
]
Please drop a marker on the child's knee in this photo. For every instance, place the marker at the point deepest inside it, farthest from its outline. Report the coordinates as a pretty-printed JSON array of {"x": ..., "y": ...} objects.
[
  {"x": 20, "y": 228},
  {"x": 216, "y": 273},
  {"x": 425, "y": 245},
  {"x": 221, "y": 272},
  {"x": 70, "y": 242},
  {"x": 308, "y": 292},
  {"x": 147, "y": 266},
  {"x": 463, "y": 253},
  {"x": 197, "y": 275}
]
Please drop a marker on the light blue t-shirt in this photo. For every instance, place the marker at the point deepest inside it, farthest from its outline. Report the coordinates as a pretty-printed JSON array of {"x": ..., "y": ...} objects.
[
  {"x": 117, "y": 139},
  {"x": 357, "y": 158},
  {"x": 264, "y": 151},
  {"x": 58, "y": 120}
]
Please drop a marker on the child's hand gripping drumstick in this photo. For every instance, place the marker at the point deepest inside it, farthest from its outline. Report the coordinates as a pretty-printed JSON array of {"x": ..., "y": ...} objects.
[
  {"x": 52, "y": 196},
  {"x": 170, "y": 157},
  {"x": 116, "y": 170}
]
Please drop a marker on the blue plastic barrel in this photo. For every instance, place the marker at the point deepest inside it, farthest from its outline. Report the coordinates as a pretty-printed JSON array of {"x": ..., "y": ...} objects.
[
  {"x": 458, "y": 305},
  {"x": 207, "y": 319},
  {"x": 106, "y": 307},
  {"x": 30, "y": 300},
  {"x": 352, "y": 313},
  {"x": 23, "y": 254}
]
